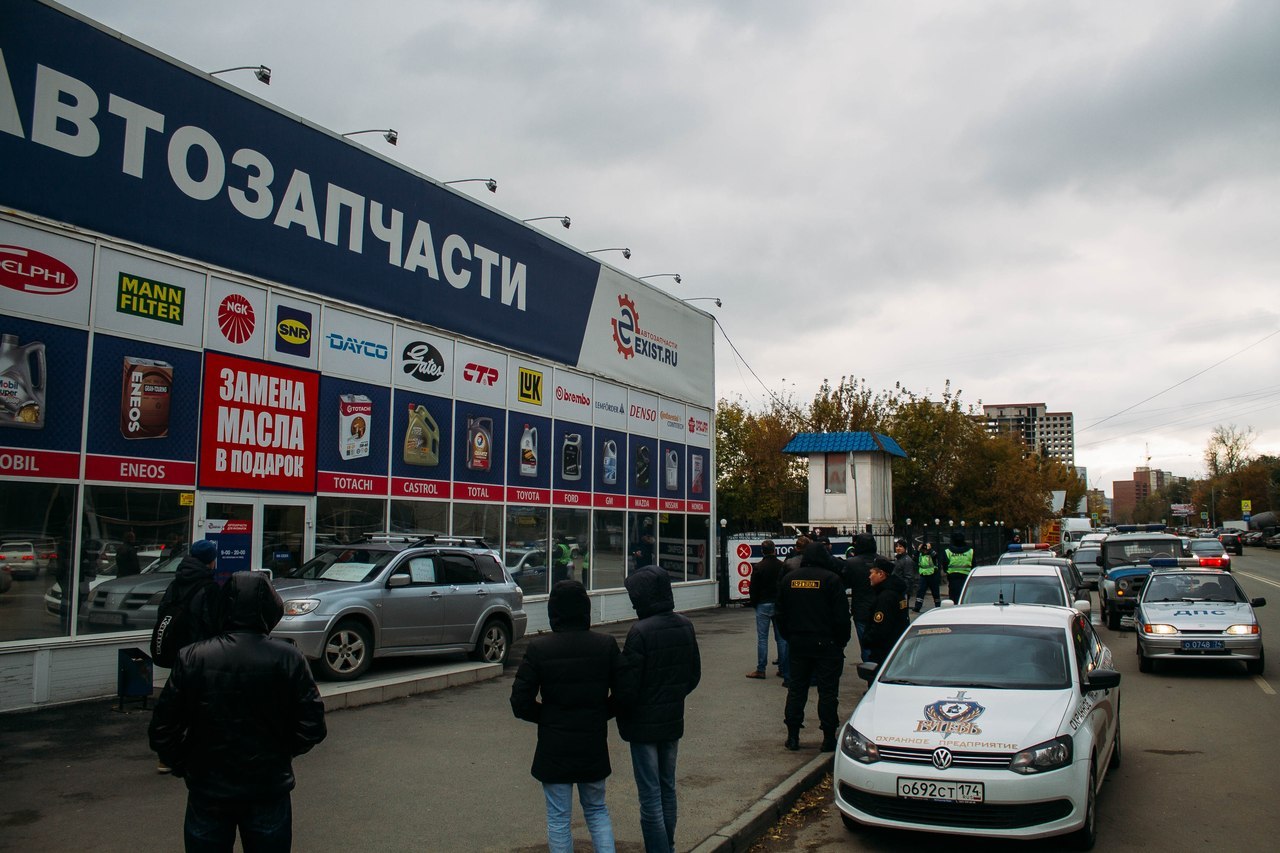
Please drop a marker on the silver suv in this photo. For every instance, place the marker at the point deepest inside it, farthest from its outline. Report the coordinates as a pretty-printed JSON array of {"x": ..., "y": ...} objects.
[{"x": 400, "y": 595}]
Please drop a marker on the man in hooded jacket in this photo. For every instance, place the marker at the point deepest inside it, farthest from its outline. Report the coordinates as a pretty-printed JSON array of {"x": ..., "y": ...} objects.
[
  {"x": 888, "y": 609},
  {"x": 856, "y": 578},
  {"x": 235, "y": 711},
  {"x": 576, "y": 671},
  {"x": 812, "y": 615},
  {"x": 661, "y": 666}
]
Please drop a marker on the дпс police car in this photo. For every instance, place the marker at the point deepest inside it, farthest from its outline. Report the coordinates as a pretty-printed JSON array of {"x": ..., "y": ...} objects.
[
  {"x": 1197, "y": 614},
  {"x": 988, "y": 720}
]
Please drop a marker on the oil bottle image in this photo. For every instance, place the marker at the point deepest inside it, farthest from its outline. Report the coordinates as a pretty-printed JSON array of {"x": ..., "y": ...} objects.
[
  {"x": 479, "y": 443},
  {"x": 529, "y": 452},
  {"x": 145, "y": 390},
  {"x": 696, "y": 475},
  {"x": 22, "y": 383},
  {"x": 571, "y": 457},
  {"x": 671, "y": 472},
  {"x": 609, "y": 462},
  {"x": 642, "y": 467},
  {"x": 421, "y": 438}
]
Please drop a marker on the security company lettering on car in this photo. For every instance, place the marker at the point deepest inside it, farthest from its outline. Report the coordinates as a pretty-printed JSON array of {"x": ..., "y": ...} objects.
[{"x": 951, "y": 716}]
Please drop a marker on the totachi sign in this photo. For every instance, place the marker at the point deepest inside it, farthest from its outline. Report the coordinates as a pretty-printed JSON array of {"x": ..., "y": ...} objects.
[{"x": 258, "y": 426}]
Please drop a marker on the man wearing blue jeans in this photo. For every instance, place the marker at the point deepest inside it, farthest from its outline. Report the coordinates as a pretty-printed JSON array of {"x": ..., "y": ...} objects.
[
  {"x": 765, "y": 576},
  {"x": 661, "y": 666}
]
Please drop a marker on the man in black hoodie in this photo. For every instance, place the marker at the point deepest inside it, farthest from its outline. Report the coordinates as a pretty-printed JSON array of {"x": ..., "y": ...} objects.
[
  {"x": 235, "y": 711},
  {"x": 661, "y": 666},
  {"x": 576, "y": 671},
  {"x": 889, "y": 616},
  {"x": 857, "y": 581},
  {"x": 814, "y": 619}
]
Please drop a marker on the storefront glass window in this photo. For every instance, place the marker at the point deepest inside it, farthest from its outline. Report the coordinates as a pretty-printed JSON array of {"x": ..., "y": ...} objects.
[
  {"x": 609, "y": 550},
  {"x": 671, "y": 545},
  {"x": 526, "y": 551},
  {"x": 35, "y": 547},
  {"x": 571, "y": 551},
  {"x": 419, "y": 517},
  {"x": 698, "y": 550},
  {"x": 342, "y": 520},
  {"x": 132, "y": 541},
  {"x": 483, "y": 520},
  {"x": 642, "y": 540}
]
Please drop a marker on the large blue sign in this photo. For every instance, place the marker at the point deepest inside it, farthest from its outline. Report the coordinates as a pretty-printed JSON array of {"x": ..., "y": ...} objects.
[{"x": 101, "y": 133}]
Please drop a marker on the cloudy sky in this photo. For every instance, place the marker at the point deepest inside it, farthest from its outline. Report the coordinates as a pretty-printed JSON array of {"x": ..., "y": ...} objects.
[{"x": 1075, "y": 203}]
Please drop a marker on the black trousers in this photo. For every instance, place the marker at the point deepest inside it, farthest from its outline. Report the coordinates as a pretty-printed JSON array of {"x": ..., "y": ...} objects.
[
  {"x": 955, "y": 584},
  {"x": 823, "y": 667},
  {"x": 932, "y": 583}
]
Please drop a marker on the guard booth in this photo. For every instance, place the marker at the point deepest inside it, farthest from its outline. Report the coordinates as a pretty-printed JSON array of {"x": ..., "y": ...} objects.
[{"x": 850, "y": 491}]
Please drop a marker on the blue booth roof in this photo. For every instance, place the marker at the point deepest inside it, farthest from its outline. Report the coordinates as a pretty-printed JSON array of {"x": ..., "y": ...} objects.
[{"x": 843, "y": 442}]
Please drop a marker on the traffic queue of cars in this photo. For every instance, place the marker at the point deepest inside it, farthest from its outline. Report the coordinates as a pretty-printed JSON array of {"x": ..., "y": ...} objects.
[{"x": 999, "y": 717}]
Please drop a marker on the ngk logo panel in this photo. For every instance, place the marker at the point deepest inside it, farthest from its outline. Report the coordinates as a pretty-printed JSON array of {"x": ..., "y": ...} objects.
[
  {"x": 236, "y": 318},
  {"x": 44, "y": 274},
  {"x": 480, "y": 375}
]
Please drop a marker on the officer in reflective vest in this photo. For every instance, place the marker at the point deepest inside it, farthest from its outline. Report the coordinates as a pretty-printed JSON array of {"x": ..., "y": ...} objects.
[
  {"x": 930, "y": 576},
  {"x": 561, "y": 561},
  {"x": 959, "y": 564}
]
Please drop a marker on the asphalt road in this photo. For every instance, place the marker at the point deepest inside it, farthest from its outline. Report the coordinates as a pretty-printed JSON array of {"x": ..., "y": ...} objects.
[{"x": 1200, "y": 758}]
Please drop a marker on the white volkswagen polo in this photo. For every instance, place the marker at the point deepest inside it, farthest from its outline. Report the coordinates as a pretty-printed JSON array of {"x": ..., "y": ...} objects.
[{"x": 988, "y": 720}]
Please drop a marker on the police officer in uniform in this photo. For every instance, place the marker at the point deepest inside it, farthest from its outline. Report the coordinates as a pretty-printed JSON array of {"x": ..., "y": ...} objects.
[
  {"x": 888, "y": 609},
  {"x": 930, "y": 576},
  {"x": 959, "y": 564},
  {"x": 813, "y": 616}
]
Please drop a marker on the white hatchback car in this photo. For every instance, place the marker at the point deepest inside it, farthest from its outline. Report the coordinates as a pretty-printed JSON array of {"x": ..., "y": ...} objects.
[
  {"x": 1019, "y": 583},
  {"x": 986, "y": 720}
]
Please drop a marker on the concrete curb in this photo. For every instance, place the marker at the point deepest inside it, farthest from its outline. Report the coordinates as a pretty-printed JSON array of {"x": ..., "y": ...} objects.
[{"x": 746, "y": 829}]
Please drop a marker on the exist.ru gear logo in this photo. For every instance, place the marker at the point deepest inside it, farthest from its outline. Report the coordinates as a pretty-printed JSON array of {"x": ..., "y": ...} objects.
[{"x": 625, "y": 326}]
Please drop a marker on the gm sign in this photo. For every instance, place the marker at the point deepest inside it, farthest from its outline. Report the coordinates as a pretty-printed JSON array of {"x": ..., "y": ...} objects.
[{"x": 529, "y": 387}]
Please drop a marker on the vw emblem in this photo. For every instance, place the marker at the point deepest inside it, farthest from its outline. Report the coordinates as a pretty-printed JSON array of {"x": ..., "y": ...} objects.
[{"x": 942, "y": 758}]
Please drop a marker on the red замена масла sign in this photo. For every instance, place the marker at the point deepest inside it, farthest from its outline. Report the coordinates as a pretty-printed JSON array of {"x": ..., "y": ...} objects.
[{"x": 257, "y": 426}]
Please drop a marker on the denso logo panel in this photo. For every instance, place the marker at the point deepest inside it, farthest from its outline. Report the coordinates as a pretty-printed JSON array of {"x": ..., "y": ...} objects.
[{"x": 28, "y": 271}]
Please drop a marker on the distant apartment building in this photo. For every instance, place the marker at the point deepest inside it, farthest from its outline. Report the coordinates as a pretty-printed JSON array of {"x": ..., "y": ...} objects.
[
  {"x": 1126, "y": 494},
  {"x": 1041, "y": 431}
]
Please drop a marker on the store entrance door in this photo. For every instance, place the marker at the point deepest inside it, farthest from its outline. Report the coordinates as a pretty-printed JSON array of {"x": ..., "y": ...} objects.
[{"x": 256, "y": 531}]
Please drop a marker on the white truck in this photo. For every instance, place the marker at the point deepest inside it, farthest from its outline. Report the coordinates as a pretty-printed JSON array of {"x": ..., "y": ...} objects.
[{"x": 1073, "y": 530}]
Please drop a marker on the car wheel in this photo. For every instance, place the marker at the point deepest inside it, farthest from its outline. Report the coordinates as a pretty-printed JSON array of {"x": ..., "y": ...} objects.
[
  {"x": 1145, "y": 664},
  {"x": 347, "y": 652},
  {"x": 494, "y": 644},
  {"x": 849, "y": 823},
  {"x": 1115, "y": 743},
  {"x": 1113, "y": 618},
  {"x": 1086, "y": 836},
  {"x": 1259, "y": 666}
]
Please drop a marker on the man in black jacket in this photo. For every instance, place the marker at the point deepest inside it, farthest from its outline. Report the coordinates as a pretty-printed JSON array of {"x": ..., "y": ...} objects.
[
  {"x": 857, "y": 581},
  {"x": 814, "y": 619},
  {"x": 576, "y": 671},
  {"x": 889, "y": 616},
  {"x": 765, "y": 577},
  {"x": 661, "y": 666},
  {"x": 236, "y": 709}
]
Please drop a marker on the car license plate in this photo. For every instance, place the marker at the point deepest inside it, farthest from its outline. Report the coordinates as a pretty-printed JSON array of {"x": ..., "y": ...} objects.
[
  {"x": 1207, "y": 645},
  {"x": 931, "y": 789}
]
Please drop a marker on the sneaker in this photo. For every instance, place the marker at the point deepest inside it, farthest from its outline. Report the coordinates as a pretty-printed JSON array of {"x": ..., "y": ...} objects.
[
  {"x": 161, "y": 767},
  {"x": 755, "y": 674}
]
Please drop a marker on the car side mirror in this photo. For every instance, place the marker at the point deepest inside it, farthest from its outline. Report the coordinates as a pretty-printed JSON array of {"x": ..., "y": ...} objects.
[
  {"x": 1257, "y": 602},
  {"x": 946, "y": 602},
  {"x": 867, "y": 670},
  {"x": 266, "y": 572},
  {"x": 1082, "y": 605},
  {"x": 1101, "y": 679},
  {"x": 397, "y": 580}
]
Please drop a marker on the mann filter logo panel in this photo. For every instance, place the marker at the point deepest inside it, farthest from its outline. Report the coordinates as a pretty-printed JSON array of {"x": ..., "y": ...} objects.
[{"x": 154, "y": 300}]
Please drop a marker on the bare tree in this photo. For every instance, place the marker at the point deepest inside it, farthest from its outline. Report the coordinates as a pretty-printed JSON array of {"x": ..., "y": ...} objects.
[{"x": 1228, "y": 449}]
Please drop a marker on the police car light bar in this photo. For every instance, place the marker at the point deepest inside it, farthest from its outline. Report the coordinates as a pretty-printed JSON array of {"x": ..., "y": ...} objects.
[
  {"x": 1141, "y": 528},
  {"x": 1030, "y": 546},
  {"x": 1173, "y": 562}
]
